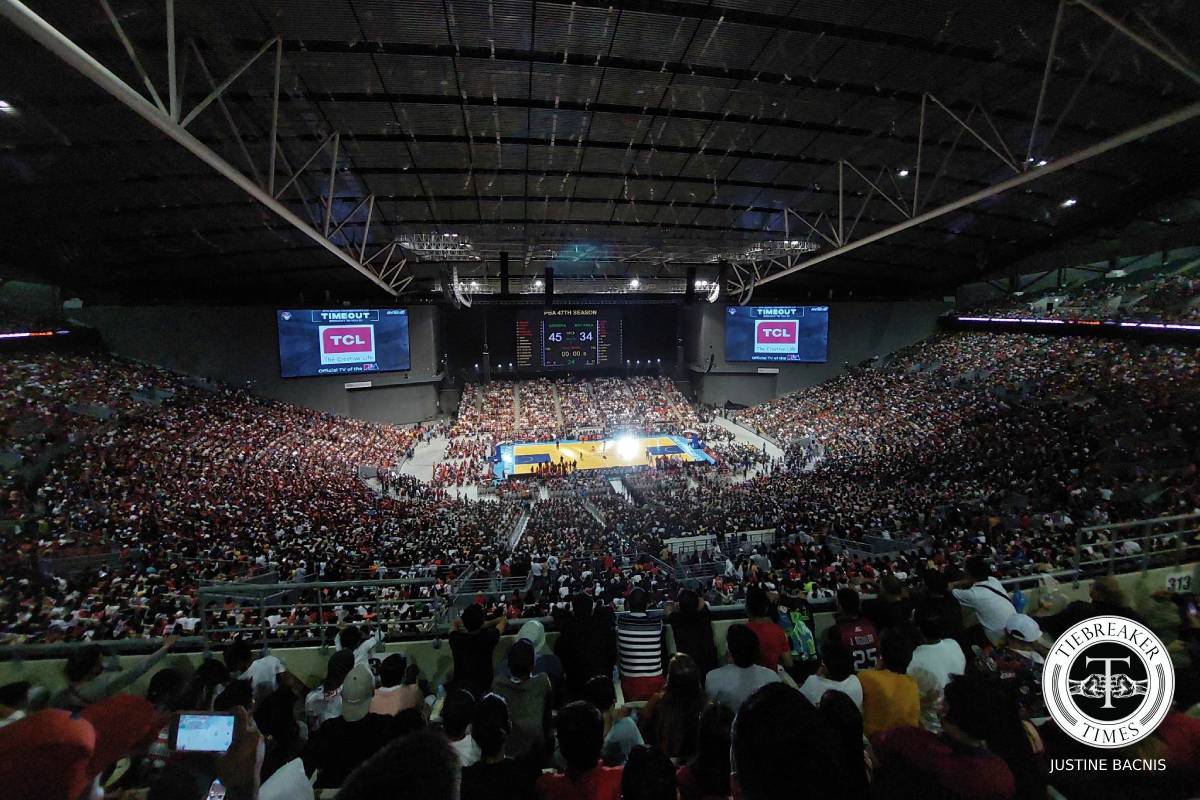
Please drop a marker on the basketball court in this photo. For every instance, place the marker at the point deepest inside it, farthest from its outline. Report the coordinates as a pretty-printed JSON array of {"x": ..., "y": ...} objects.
[{"x": 625, "y": 451}]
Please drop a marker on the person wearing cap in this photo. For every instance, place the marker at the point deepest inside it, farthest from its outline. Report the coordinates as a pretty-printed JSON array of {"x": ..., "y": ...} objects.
[
  {"x": 1017, "y": 660},
  {"x": 346, "y": 741},
  {"x": 544, "y": 661},
  {"x": 325, "y": 702}
]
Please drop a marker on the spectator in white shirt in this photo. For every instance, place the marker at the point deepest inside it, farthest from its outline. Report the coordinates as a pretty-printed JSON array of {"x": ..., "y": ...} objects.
[
  {"x": 933, "y": 664},
  {"x": 325, "y": 702},
  {"x": 836, "y": 674},
  {"x": 264, "y": 673},
  {"x": 984, "y": 595},
  {"x": 736, "y": 681},
  {"x": 457, "y": 711},
  {"x": 351, "y": 638}
]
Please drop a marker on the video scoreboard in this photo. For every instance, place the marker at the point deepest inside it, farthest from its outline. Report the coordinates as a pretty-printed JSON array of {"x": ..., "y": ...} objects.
[
  {"x": 777, "y": 333},
  {"x": 568, "y": 338},
  {"x": 342, "y": 341}
]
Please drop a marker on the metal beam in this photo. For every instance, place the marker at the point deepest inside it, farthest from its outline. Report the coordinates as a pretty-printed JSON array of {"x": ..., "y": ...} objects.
[
  {"x": 233, "y": 126},
  {"x": 1037, "y": 113},
  {"x": 1167, "y": 58},
  {"x": 275, "y": 116},
  {"x": 903, "y": 211},
  {"x": 218, "y": 90},
  {"x": 171, "y": 76},
  {"x": 133, "y": 56},
  {"x": 978, "y": 136},
  {"x": 60, "y": 45},
  {"x": 1188, "y": 112}
]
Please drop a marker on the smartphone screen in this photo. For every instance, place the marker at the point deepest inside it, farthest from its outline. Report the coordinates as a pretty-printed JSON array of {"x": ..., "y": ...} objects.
[{"x": 204, "y": 733}]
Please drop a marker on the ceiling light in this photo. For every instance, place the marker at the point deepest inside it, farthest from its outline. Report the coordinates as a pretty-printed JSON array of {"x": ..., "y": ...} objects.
[
  {"x": 903, "y": 173},
  {"x": 760, "y": 251},
  {"x": 1070, "y": 201},
  {"x": 440, "y": 246},
  {"x": 635, "y": 283}
]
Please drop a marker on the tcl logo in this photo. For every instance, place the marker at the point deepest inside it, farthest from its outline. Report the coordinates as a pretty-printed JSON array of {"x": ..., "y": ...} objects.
[
  {"x": 347, "y": 344},
  {"x": 776, "y": 336},
  {"x": 349, "y": 340}
]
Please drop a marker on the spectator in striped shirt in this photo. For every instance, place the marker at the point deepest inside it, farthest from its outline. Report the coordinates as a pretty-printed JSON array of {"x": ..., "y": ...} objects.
[{"x": 640, "y": 648}]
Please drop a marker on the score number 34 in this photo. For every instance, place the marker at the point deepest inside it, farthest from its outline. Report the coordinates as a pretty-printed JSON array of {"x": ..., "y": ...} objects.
[{"x": 584, "y": 336}]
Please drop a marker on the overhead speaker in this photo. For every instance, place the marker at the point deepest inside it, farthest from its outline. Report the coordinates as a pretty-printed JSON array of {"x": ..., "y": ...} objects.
[
  {"x": 689, "y": 289},
  {"x": 714, "y": 291},
  {"x": 548, "y": 286},
  {"x": 461, "y": 296},
  {"x": 447, "y": 287},
  {"x": 504, "y": 273}
]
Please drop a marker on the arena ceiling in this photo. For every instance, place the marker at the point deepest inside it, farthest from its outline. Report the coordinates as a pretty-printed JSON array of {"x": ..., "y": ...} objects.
[{"x": 610, "y": 139}]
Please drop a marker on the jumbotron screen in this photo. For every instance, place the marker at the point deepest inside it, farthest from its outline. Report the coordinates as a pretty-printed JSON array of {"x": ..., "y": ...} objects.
[
  {"x": 777, "y": 333},
  {"x": 342, "y": 341},
  {"x": 568, "y": 338}
]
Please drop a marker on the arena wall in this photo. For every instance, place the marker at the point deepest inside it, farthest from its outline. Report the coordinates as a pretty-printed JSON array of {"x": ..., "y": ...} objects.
[
  {"x": 857, "y": 331},
  {"x": 239, "y": 346}
]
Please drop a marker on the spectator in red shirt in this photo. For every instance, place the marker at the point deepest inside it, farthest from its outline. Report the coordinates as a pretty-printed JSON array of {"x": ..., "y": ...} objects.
[
  {"x": 857, "y": 634},
  {"x": 774, "y": 648},
  {"x": 580, "y": 740}
]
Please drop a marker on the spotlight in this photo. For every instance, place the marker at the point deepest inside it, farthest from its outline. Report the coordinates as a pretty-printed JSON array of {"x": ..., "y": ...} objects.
[
  {"x": 903, "y": 173},
  {"x": 635, "y": 283},
  {"x": 474, "y": 284},
  {"x": 1070, "y": 201},
  {"x": 1042, "y": 163},
  {"x": 627, "y": 448},
  {"x": 538, "y": 284}
]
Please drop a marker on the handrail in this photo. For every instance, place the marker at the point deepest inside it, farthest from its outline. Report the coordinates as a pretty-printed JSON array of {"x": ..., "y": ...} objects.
[
  {"x": 1140, "y": 522},
  {"x": 225, "y": 588}
]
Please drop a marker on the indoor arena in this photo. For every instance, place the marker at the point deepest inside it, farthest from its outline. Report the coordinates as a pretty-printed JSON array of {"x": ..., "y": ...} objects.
[{"x": 689, "y": 400}]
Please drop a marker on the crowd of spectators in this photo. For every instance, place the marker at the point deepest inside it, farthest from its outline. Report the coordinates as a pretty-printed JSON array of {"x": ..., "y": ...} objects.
[
  {"x": 537, "y": 420},
  {"x": 896, "y": 697},
  {"x": 999, "y": 445},
  {"x": 1161, "y": 297}
]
